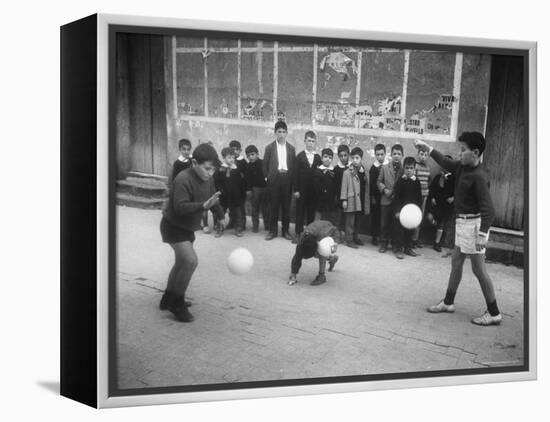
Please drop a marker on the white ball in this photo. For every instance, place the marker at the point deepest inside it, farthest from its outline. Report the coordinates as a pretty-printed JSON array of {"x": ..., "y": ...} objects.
[
  {"x": 240, "y": 261},
  {"x": 410, "y": 216},
  {"x": 324, "y": 247}
]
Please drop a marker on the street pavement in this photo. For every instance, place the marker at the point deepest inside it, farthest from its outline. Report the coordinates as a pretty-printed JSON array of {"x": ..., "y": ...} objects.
[{"x": 369, "y": 318}]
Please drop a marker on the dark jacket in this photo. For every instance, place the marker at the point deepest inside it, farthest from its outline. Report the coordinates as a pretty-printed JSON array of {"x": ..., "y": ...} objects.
[
  {"x": 324, "y": 189},
  {"x": 442, "y": 208},
  {"x": 254, "y": 175},
  {"x": 303, "y": 174},
  {"x": 180, "y": 166},
  {"x": 230, "y": 182},
  {"x": 271, "y": 161},
  {"x": 406, "y": 191}
]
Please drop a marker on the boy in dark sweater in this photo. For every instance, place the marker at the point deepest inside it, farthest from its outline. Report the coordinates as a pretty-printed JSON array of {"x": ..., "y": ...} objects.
[
  {"x": 306, "y": 162},
  {"x": 255, "y": 185},
  {"x": 374, "y": 172},
  {"x": 324, "y": 187},
  {"x": 191, "y": 192},
  {"x": 341, "y": 166},
  {"x": 240, "y": 162},
  {"x": 474, "y": 214},
  {"x": 440, "y": 206},
  {"x": 184, "y": 160},
  {"x": 230, "y": 182},
  {"x": 407, "y": 190}
]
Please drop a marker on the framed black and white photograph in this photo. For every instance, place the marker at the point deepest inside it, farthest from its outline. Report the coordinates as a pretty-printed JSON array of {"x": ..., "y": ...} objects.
[{"x": 279, "y": 210}]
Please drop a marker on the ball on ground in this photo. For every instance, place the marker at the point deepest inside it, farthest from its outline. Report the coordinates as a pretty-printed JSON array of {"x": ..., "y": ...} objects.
[
  {"x": 325, "y": 246},
  {"x": 240, "y": 261},
  {"x": 410, "y": 216}
]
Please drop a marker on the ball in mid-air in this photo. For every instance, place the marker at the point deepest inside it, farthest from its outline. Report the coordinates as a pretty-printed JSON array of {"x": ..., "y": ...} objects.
[
  {"x": 240, "y": 261},
  {"x": 410, "y": 216}
]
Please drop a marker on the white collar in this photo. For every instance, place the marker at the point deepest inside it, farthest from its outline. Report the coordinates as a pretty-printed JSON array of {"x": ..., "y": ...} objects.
[
  {"x": 377, "y": 163},
  {"x": 239, "y": 158},
  {"x": 342, "y": 166},
  {"x": 233, "y": 167},
  {"x": 183, "y": 159},
  {"x": 309, "y": 152},
  {"x": 323, "y": 167},
  {"x": 413, "y": 177}
]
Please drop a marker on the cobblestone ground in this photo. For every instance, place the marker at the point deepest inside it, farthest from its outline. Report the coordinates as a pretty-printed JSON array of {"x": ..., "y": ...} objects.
[{"x": 369, "y": 318}]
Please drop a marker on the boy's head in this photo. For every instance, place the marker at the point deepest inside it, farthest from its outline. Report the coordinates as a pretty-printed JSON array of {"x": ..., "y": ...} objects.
[
  {"x": 236, "y": 147},
  {"x": 422, "y": 155},
  {"x": 184, "y": 145},
  {"x": 472, "y": 145},
  {"x": 309, "y": 245},
  {"x": 228, "y": 156},
  {"x": 343, "y": 154},
  {"x": 409, "y": 166},
  {"x": 251, "y": 153},
  {"x": 310, "y": 138},
  {"x": 280, "y": 131},
  {"x": 205, "y": 160},
  {"x": 326, "y": 156},
  {"x": 396, "y": 153},
  {"x": 380, "y": 152},
  {"x": 356, "y": 155}
]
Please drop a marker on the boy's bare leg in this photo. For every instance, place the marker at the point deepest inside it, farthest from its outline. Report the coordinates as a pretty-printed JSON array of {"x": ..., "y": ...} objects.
[
  {"x": 480, "y": 271},
  {"x": 186, "y": 261},
  {"x": 455, "y": 277}
]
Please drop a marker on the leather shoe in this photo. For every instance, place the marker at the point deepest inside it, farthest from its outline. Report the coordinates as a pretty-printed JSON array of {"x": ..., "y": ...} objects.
[
  {"x": 270, "y": 236},
  {"x": 287, "y": 236}
]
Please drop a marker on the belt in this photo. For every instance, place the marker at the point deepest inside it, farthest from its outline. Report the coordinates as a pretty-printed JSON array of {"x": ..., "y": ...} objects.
[{"x": 468, "y": 216}]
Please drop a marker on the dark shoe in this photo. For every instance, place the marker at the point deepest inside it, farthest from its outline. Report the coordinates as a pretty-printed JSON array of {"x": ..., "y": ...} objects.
[
  {"x": 399, "y": 254},
  {"x": 182, "y": 314},
  {"x": 270, "y": 236},
  {"x": 437, "y": 247},
  {"x": 320, "y": 279},
  {"x": 358, "y": 241},
  {"x": 287, "y": 236},
  {"x": 416, "y": 244},
  {"x": 410, "y": 252},
  {"x": 295, "y": 239},
  {"x": 383, "y": 247},
  {"x": 351, "y": 245},
  {"x": 332, "y": 262},
  {"x": 239, "y": 233},
  {"x": 374, "y": 241},
  {"x": 165, "y": 301}
]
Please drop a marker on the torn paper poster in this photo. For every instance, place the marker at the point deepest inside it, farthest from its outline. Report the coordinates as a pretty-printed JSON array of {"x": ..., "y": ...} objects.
[{"x": 340, "y": 63}]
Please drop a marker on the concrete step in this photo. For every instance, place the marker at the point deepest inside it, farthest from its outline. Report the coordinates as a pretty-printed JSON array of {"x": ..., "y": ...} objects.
[
  {"x": 143, "y": 187},
  {"x": 505, "y": 253},
  {"x": 135, "y": 201},
  {"x": 148, "y": 176}
]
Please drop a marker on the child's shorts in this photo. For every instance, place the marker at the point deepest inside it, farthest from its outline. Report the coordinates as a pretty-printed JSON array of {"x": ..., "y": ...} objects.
[
  {"x": 173, "y": 234},
  {"x": 467, "y": 230}
]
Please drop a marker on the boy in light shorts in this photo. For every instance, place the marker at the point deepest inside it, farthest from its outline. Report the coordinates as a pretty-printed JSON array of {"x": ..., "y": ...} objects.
[{"x": 474, "y": 215}]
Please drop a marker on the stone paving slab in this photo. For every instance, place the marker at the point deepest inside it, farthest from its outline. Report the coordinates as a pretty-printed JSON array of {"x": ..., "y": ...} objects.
[{"x": 369, "y": 318}]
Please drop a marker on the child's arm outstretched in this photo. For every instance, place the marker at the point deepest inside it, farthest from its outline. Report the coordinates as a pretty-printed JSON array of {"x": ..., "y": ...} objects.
[{"x": 447, "y": 163}]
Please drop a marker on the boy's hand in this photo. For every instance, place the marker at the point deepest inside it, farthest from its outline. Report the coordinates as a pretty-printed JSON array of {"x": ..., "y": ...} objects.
[
  {"x": 421, "y": 145},
  {"x": 397, "y": 214},
  {"x": 481, "y": 242},
  {"x": 345, "y": 205},
  {"x": 297, "y": 195},
  {"x": 213, "y": 200},
  {"x": 387, "y": 192},
  {"x": 451, "y": 200}
]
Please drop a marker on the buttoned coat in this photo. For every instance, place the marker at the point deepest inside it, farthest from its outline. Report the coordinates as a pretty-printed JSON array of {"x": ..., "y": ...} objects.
[
  {"x": 271, "y": 160},
  {"x": 386, "y": 180},
  {"x": 351, "y": 191}
]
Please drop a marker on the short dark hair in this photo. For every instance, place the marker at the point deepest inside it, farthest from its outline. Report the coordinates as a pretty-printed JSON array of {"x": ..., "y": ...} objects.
[
  {"x": 227, "y": 151},
  {"x": 357, "y": 151},
  {"x": 379, "y": 147},
  {"x": 205, "y": 152},
  {"x": 327, "y": 151},
  {"x": 280, "y": 125},
  {"x": 474, "y": 140},
  {"x": 310, "y": 134},
  {"x": 250, "y": 149},
  {"x": 397, "y": 147},
  {"x": 183, "y": 142},
  {"x": 235, "y": 144},
  {"x": 308, "y": 245},
  {"x": 342, "y": 147},
  {"x": 409, "y": 161}
]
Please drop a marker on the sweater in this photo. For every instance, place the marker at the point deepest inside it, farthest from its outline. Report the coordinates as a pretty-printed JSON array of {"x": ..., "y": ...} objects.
[
  {"x": 230, "y": 182},
  {"x": 188, "y": 193},
  {"x": 406, "y": 191},
  {"x": 180, "y": 165},
  {"x": 303, "y": 174},
  {"x": 472, "y": 194},
  {"x": 254, "y": 175},
  {"x": 424, "y": 175},
  {"x": 324, "y": 188}
]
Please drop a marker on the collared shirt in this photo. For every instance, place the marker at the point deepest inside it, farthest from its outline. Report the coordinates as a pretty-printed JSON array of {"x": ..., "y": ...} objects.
[
  {"x": 378, "y": 163},
  {"x": 310, "y": 156},
  {"x": 323, "y": 167},
  {"x": 183, "y": 159},
  {"x": 413, "y": 177},
  {"x": 281, "y": 156}
]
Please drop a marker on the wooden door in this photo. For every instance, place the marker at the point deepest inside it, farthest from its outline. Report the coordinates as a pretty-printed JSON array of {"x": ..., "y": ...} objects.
[{"x": 506, "y": 139}]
